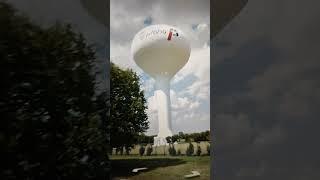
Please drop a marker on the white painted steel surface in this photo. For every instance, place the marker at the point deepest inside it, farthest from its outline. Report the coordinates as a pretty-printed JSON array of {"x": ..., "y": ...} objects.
[{"x": 161, "y": 51}]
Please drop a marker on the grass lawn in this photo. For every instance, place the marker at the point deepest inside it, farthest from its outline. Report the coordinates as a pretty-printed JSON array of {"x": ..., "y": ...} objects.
[{"x": 159, "y": 167}]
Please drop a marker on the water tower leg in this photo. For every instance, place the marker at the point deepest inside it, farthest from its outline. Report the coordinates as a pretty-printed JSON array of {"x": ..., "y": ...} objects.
[{"x": 162, "y": 94}]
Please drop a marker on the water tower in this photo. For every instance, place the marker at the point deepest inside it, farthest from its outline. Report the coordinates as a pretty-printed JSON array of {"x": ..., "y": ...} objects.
[
  {"x": 224, "y": 11},
  {"x": 161, "y": 51}
]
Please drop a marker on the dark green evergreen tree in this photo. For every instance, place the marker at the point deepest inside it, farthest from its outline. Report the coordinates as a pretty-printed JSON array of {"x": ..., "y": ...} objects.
[{"x": 53, "y": 125}]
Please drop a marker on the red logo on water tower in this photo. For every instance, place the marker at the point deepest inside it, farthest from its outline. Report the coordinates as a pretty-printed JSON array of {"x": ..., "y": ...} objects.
[{"x": 172, "y": 32}]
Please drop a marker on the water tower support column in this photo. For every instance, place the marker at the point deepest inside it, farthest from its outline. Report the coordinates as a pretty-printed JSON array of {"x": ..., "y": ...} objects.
[{"x": 162, "y": 94}]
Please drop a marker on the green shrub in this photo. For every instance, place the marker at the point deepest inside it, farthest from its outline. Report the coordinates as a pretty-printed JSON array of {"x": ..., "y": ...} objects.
[
  {"x": 172, "y": 151},
  {"x": 149, "y": 150},
  {"x": 179, "y": 152},
  {"x": 198, "y": 151},
  {"x": 141, "y": 150},
  {"x": 190, "y": 150}
]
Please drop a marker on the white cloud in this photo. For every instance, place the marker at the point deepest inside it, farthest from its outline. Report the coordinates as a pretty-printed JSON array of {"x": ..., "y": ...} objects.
[
  {"x": 199, "y": 66},
  {"x": 182, "y": 103}
]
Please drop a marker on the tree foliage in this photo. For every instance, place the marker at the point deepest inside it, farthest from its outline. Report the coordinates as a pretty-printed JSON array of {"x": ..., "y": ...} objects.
[
  {"x": 128, "y": 105},
  {"x": 198, "y": 150},
  {"x": 141, "y": 150},
  {"x": 53, "y": 125},
  {"x": 172, "y": 150},
  {"x": 196, "y": 137},
  {"x": 144, "y": 139},
  {"x": 149, "y": 150},
  {"x": 190, "y": 150},
  {"x": 179, "y": 152},
  {"x": 169, "y": 139}
]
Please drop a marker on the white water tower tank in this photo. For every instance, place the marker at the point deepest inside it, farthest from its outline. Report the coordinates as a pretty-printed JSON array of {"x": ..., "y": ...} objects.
[{"x": 161, "y": 51}]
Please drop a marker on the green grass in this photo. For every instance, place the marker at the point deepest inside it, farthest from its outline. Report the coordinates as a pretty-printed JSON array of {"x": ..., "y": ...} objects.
[{"x": 159, "y": 167}]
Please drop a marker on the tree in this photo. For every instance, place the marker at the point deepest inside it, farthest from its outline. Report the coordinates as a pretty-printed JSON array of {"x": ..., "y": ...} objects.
[
  {"x": 197, "y": 137},
  {"x": 179, "y": 152},
  {"x": 175, "y": 138},
  {"x": 128, "y": 105},
  {"x": 144, "y": 139},
  {"x": 53, "y": 124},
  {"x": 141, "y": 150},
  {"x": 181, "y": 135},
  {"x": 172, "y": 150},
  {"x": 198, "y": 150},
  {"x": 190, "y": 149},
  {"x": 149, "y": 150},
  {"x": 169, "y": 139},
  {"x": 187, "y": 138}
]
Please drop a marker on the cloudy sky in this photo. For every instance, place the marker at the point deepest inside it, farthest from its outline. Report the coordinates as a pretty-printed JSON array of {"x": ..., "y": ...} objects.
[
  {"x": 266, "y": 92},
  {"x": 190, "y": 93}
]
